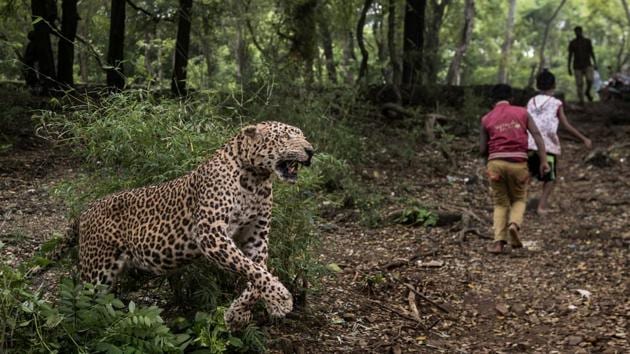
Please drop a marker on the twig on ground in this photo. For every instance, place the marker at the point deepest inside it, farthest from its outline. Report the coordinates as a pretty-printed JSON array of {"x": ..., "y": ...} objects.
[
  {"x": 411, "y": 298},
  {"x": 394, "y": 311},
  {"x": 438, "y": 306}
]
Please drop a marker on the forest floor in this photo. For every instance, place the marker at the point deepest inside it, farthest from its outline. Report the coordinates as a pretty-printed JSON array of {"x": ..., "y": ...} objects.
[{"x": 566, "y": 293}]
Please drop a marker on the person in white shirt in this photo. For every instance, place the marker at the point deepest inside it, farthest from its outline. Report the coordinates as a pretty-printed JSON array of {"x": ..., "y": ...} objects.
[{"x": 547, "y": 112}]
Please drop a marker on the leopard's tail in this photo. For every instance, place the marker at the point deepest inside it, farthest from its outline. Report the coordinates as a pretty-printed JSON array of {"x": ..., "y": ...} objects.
[{"x": 60, "y": 250}]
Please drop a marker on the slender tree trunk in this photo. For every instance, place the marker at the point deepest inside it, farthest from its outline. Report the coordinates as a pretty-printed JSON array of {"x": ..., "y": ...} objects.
[
  {"x": 363, "y": 68},
  {"x": 349, "y": 57},
  {"x": 115, "y": 51},
  {"x": 178, "y": 81},
  {"x": 507, "y": 44},
  {"x": 433, "y": 39},
  {"x": 242, "y": 57},
  {"x": 207, "y": 50},
  {"x": 327, "y": 44},
  {"x": 413, "y": 41},
  {"x": 160, "y": 68},
  {"x": 620, "y": 57},
  {"x": 532, "y": 76},
  {"x": 454, "y": 72},
  {"x": 83, "y": 57},
  {"x": 541, "y": 59},
  {"x": 65, "y": 55},
  {"x": 379, "y": 41},
  {"x": 39, "y": 57},
  {"x": 391, "y": 45},
  {"x": 627, "y": 9},
  {"x": 150, "y": 55}
]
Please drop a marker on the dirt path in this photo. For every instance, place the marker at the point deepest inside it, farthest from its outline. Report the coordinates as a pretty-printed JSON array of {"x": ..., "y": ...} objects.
[{"x": 568, "y": 293}]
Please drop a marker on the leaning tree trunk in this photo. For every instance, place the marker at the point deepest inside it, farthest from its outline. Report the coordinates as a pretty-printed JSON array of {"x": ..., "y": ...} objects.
[
  {"x": 433, "y": 39},
  {"x": 327, "y": 44},
  {"x": 541, "y": 58},
  {"x": 363, "y": 68},
  {"x": 507, "y": 44},
  {"x": 65, "y": 56},
  {"x": 44, "y": 14},
  {"x": 413, "y": 42},
  {"x": 454, "y": 72},
  {"x": 178, "y": 81},
  {"x": 115, "y": 70},
  {"x": 391, "y": 46}
]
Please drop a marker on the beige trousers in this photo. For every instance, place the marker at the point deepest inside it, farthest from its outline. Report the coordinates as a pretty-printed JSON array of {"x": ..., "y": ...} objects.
[
  {"x": 508, "y": 184},
  {"x": 580, "y": 75}
]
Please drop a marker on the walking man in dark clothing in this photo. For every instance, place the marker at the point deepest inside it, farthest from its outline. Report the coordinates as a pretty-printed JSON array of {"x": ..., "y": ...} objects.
[{"x": 581, "y": 52}]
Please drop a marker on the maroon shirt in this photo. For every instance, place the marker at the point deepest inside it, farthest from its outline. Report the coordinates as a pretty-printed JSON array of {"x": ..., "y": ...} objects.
[{"x": 507, "y": 132}]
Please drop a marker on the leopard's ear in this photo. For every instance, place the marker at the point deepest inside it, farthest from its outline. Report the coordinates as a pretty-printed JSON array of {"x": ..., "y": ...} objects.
[{"x": 251, "y": 131}]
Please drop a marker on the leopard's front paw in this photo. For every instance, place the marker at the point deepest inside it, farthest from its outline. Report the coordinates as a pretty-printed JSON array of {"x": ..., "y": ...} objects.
[
  {"x": 237, "y": 316},
  {"x": 277, "y": 298}
]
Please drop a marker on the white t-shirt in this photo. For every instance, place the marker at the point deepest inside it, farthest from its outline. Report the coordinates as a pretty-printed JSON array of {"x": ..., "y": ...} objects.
[{"x": 544, "y": 110}]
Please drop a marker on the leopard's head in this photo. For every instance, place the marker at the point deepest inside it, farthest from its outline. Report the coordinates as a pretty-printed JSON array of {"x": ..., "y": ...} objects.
[{"x": 276, "y": 148}]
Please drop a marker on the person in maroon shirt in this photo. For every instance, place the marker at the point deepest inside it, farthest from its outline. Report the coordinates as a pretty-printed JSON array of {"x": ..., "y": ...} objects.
[
  {"x": 503, "y": 140},
  {"x": 580, "y": 53}
]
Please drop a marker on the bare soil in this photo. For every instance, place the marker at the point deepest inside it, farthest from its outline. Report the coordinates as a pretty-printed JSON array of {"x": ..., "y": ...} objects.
[{"x": 566, "y": 293}]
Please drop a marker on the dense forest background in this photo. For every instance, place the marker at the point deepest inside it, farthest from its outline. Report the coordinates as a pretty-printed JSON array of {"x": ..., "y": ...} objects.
[{"x": 323, "y": 42}]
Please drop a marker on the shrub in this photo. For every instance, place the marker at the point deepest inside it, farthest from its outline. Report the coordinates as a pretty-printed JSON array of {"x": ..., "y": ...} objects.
[{"x": 416, "y": 215}]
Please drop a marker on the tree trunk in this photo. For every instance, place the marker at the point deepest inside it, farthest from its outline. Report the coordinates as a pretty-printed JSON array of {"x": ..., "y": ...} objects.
[
  {"x": 620, "y": 58},
  {"x": 379, "y": 40},
  {"x": 83, "y": 57},
  {"x": 507, "y": 44},
  {"x": 207, "y": 50},
  {"x": 349, "y": 57},
  {"x": 115, "y": 70},
  {"x": 327, "y": 44},
  {"x": 625, "y": 7},
  {"x": 413, "y": 41},
  {"x": 454, "y": 73},
  {"x": 363, "y": 67},
  {"x": 391, "y": 45},
  {"x": 39, "y": 59},
  {"x": 433, "y": 39},
  {"x": 178, "y": 81},
  {"x": 541, "y": 58},
  {"x": 65, "y": 56},
  {"x": 242, "y": 57}
]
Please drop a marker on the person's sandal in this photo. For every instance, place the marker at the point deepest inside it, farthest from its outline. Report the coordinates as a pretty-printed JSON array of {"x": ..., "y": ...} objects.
[
  {"x": 515, "y": 242},
  {"x": 497, "y": 247}
]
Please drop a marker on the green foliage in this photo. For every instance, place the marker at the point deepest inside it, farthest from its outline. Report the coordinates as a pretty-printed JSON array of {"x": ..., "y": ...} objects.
[
  {"x": 88, "y": 319},
  {"x": 212, "y": 333},
  {"x": 416, "y": 215}
]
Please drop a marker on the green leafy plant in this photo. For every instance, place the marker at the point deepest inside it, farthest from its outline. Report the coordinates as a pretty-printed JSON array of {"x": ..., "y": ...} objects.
[{"x": 416, "y": 215}]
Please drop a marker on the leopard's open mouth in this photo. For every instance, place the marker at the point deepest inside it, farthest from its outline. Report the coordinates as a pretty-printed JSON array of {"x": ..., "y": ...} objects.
[{"x": 288, "y": 169}]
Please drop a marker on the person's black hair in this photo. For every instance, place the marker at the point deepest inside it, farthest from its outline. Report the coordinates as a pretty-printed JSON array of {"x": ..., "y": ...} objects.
[
  {"x": 545, "y": 80},
  {"x": 577, "y": 29},
  {"x": 501, "y": 92}
]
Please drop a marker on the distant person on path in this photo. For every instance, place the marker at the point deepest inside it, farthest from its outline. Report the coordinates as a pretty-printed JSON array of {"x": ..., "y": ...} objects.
[
  {"x": 580, "y": 54},
  {"x": 503, "y": 140},
  {"x": 548, "y": 112}
]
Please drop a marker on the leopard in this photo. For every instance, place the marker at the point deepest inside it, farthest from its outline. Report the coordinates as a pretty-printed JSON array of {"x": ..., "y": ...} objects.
[{"x": 220, "y": 211}]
